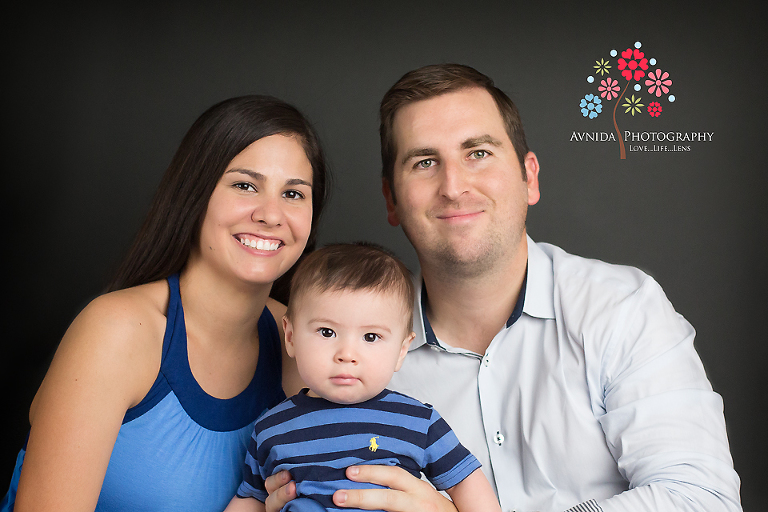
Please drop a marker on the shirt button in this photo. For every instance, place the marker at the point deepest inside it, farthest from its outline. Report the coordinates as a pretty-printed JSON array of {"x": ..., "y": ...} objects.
[
  {"x": 486, "y": 360},
  {"x": 498, "y": 438}
]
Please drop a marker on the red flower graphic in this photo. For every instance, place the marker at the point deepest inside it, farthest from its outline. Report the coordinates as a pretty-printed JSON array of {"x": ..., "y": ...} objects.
[
  {"x": 654, "y": 108},
  {"x": 609, "y": 88},
  {"x": 633, "y": 64},
  {"x": 659, "y": 82}
]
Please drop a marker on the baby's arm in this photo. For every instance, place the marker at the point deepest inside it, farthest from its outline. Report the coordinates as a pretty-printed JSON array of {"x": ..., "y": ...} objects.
[
  {"x": 239, "y": 504},
  {"x": 474, "y": 493}
]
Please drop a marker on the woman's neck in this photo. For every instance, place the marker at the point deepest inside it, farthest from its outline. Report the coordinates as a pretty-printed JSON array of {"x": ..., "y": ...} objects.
[{"x": 220, "y": 308}]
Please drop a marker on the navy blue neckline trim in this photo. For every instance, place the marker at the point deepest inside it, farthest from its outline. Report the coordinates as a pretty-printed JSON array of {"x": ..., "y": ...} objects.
[
  {"x": 429, "y": 333},
  {"x": 222, "y": 415},
  {"x": 302, "y": 398}
]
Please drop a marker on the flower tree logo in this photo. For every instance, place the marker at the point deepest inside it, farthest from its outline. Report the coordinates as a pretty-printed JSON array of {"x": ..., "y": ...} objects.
[{"x": 631, "y": 67}]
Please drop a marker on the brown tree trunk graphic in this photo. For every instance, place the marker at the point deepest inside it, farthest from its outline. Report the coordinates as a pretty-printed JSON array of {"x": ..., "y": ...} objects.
[{"x": 616, "y": 126}]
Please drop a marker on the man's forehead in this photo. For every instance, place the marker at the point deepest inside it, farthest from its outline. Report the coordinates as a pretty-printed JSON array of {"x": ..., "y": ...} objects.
[{"x": 462, "y": 118}]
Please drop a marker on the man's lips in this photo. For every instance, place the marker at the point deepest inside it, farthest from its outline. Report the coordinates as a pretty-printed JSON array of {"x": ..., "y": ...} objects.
[{"x": 459, "y": 215}]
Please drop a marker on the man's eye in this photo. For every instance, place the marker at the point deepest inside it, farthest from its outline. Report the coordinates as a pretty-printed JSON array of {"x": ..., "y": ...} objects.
[
  {"x": 325, "y": 332},
  {"x": 425, "y": 164},
  {"x": 371, "y": 337},
  {"x": 479, "y": 154}
]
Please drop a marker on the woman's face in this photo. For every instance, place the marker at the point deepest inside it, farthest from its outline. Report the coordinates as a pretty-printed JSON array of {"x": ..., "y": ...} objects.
[{"x": 260, "y": 213}]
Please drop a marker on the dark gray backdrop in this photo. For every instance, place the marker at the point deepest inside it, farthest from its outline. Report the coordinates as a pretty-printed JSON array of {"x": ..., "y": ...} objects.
[{"x": 97, "y": 98}]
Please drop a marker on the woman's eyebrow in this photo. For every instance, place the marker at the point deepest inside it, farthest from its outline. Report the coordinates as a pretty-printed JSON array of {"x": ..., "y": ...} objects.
[
  {"x": 253, "y": 174},
  {"x": 260, "y": 177}
]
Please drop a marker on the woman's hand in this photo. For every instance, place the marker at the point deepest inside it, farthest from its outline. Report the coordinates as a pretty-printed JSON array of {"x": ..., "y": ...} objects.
[
  {"x": 281, "y": 490},
  {"x": 405, "y": 494}
]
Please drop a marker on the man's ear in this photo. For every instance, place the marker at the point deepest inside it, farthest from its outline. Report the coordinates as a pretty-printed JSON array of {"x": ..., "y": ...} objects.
[
  {"x": 391, "y": 213},
  {"x": 404, "y": 350},
  {"x": 288, "y": 330},
  {"x": 532, "y": 178}
]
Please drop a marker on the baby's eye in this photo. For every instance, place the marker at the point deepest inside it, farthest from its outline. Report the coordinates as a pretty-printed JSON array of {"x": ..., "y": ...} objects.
[
  {"x": 325, "y": 332},
  {"x": 371, "y": 337}
]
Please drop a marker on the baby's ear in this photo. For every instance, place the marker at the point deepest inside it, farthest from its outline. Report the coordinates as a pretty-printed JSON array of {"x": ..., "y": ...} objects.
[
  {"x": 404, "y": 350},
  {"x": 288, "y": 330}
]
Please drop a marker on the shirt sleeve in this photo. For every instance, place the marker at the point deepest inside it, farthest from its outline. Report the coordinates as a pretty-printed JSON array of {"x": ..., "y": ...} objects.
[
  {"x": 663, "y": 423},
  {"x": 447, "y": 461},
  {"x": 252, "y": 485}
]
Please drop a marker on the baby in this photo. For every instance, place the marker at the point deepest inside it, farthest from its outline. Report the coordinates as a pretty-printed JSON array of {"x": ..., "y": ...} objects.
[{"x": 348, "y": 326}]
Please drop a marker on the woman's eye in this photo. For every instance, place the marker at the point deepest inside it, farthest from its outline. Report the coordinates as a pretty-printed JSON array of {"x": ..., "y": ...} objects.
[
  {"x": 325, "y": 332},
  {"x": 246, "y": 187},
  {"x": 371, "y": 337},
  {"x": 293, "y": 194}
]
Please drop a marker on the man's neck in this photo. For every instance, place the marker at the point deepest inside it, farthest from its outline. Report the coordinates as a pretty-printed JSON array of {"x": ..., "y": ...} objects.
[{"x": 468, "y": 312}]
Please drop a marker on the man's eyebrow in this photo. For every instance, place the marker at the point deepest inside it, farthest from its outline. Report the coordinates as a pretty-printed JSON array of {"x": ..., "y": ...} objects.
[
  {"x": 418, "y": 152},
  {"x": 479, "y": 141},
  {"x": 260, "y": 177}
]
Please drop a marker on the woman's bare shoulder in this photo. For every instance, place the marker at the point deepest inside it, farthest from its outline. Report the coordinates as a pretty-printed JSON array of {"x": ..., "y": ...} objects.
[{"x": 115, "y": 342}]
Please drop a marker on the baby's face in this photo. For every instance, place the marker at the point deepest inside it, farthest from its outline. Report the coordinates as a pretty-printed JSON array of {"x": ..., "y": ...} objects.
[{"x": 347, "y": 344}]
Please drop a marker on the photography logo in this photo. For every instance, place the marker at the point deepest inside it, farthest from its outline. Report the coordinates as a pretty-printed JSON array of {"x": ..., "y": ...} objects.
[{"x": 630, "y": 83}]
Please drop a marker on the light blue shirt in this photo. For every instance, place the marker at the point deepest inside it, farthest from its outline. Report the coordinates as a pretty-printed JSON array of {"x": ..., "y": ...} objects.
[{"x": 594, "y": 398}]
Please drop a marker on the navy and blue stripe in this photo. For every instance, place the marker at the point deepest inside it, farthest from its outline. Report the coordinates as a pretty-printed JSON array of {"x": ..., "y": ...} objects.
[{"x": 317, "y": 440}]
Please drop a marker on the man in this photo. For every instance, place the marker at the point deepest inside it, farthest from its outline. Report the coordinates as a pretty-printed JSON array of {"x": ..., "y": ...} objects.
[{"x": 573, "y": 381}]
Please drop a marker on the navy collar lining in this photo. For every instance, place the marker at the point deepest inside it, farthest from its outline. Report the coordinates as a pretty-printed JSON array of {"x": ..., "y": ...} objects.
[{"x": 429, "y": 333}]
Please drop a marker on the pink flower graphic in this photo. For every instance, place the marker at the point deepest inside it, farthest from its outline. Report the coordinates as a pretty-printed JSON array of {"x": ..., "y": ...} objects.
[
  {"x": 659, "y": 82},
  {"x": 633, "y": 64},
  {"x": 654, "y": 108},
  {"x": 609, "y": 88}
]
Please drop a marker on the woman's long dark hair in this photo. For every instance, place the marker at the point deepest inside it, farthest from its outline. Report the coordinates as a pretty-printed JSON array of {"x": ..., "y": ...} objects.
[{"x": 172, "y": 226}]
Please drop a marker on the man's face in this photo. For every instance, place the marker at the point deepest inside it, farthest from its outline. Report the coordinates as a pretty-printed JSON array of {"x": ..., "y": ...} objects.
[{"x": 461, "y": 197}]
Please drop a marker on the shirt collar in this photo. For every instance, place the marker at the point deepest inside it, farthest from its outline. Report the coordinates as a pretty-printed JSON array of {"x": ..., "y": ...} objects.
[
  {"x": 540, "y": 291},
  {"x": 536, "y": 299}
]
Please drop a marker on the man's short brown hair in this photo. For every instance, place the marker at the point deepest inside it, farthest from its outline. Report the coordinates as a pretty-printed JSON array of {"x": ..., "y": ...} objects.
[
  {"x": 356, "y": 266},
  {"x": 434, "y": 80}
]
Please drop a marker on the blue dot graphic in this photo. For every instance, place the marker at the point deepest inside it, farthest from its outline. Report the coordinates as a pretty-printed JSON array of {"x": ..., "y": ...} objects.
[
  {"x": 590, "y": 79},
  {"x": 638, "y": 45},
  {"x": 671, "y": 98},
  {"x": 653, "y": 62},
  {"x": 614, "y": 53},
  {"x": 637, "y": 87}
]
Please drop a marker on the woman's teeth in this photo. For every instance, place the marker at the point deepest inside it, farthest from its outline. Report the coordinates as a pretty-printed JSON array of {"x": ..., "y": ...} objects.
[{"x": 261, "y": 244}]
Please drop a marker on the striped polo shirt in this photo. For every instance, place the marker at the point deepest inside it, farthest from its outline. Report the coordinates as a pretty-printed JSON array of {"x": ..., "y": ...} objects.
[{"x": 316, "y": 440}]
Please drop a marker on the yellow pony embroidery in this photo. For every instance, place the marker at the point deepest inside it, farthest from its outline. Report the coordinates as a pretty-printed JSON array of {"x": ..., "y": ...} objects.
[{"x": 374, "y": 446}]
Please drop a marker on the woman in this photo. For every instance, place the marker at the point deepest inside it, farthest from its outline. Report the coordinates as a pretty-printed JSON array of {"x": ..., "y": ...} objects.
[{"x": 148, "y": 404}]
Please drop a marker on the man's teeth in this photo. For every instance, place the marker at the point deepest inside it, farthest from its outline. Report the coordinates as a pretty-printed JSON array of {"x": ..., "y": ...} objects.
[{"x": 261, "y": 244}]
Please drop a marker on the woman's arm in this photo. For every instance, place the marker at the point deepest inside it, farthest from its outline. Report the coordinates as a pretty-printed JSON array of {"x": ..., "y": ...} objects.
[{"x": 106, "y": 363}]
